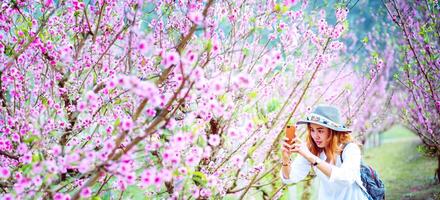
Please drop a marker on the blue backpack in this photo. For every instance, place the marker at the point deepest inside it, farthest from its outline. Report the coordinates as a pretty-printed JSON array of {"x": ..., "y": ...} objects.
[{"x": 373, "y": 186}]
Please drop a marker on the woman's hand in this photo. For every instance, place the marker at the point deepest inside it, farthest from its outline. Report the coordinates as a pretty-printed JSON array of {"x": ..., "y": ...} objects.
[
  {"x": 286, "y": 150},
  {"x": 298, "y": 146}
]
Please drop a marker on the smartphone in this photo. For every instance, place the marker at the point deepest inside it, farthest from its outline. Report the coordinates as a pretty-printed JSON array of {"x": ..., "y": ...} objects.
[{"x": 290, "y": 133}]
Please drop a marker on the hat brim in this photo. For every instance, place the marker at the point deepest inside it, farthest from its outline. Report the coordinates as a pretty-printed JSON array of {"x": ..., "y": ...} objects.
[{"x": 325, "y": 125}]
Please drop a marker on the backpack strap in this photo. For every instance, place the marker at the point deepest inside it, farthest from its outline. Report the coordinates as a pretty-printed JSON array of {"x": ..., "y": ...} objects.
[
  {"x": 357, "y": 181},
  {"x": 372, "y": 172},
  {"x": 343, "y": 147}
]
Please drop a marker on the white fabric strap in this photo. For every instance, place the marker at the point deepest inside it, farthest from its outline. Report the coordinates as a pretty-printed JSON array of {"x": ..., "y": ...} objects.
[
  {"x": 359, "y": 183},
  {"x": 321, "y": 118}
]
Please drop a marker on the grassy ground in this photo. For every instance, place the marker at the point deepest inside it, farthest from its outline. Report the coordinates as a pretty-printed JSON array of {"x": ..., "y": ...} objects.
[{"x": 406, "y": 173}]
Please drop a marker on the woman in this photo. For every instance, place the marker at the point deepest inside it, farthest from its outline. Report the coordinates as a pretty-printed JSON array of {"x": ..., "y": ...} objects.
[{"x": 326, "y": 139}]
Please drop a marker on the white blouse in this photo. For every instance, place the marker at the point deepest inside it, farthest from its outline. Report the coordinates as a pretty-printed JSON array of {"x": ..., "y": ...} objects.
[{"x": 341, "y": 184}]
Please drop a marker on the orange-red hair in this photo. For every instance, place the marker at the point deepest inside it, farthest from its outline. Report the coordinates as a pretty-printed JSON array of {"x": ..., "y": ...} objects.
[{"x": 333, "y": 149}]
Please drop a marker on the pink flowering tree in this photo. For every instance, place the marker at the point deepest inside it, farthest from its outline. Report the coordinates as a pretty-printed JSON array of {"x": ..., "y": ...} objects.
[
  {"x": 419, "y": 69},
  {"x": 111, "y": 99}
]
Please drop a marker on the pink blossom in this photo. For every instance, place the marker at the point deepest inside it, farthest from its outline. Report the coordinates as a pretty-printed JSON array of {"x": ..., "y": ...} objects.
[
  {"x": 341, "y": 14},
  {"x": 127, "y": 124},
  {"x": 214, "y": 140},
  {"x": 290, "y": 2},
  {"x": 109, "y": 145},
  {"x": 157, "y": 180},
  {"x": 148, "y": 90},
  {"x": 170, "y": 58},
  {"x": 206, "y": 152},
  {"x": 144, "y": 46},
  {"x": 182, "y": 170},
  {"x": 196, "y": 17},
  {"x": 130, "y": 178},
  {"x": 205, "y": 192},
  {"x": 147, "y": 177},
  {"x": 215, "y": 46},
  {"x": 237, "y": 161},
  {"x": 8, "y": 197},
  {"x": 56, "y": 150},
  {"x": 195, "y": 192},
  {"x": 27, "y": 158},
  {"x": 212, "y": 181},
  {"x": 15, "y": 137},
  {"x": 121, "y": 185},
  {"x": 150, "y": 112},
  {"x": 81, "y": 106},
  {"x": 191, "y": 57},
  {"x": 84, "y": 166},
  {"x": 58, "y": 196},
  {"x": 4, "y": 172},
  {"x": 112, "y": 83},
  {"x": 233, "y": 133},
  {"x": 48, "y": 3},
  {"x": 191, "y": 160},
  {"x": 166, "y": 174},
  {"x": 243, "y": 81},
  {"x": 336, "y": 45},
  {"x": 86, "y": 192},
  {"x": 91, "y": 96}
]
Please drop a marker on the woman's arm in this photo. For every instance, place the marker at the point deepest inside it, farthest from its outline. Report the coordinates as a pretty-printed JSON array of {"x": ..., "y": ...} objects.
[
  {"x": 324, "y": 167},
  {"x": 347, "y": 172},
  {"x": 285, "y": 158},
  {"x": 292, "y": 171}
]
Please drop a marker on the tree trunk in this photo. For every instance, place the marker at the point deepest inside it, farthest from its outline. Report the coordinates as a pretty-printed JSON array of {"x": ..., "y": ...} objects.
[{"x": 437, "y": 172}]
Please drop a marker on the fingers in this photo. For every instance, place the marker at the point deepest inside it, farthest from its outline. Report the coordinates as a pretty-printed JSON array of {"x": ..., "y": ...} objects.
[
  {"x": 294, "y": 140},
  {"x": 291, "y": 148},
  {"x": 297, "y": 140}
]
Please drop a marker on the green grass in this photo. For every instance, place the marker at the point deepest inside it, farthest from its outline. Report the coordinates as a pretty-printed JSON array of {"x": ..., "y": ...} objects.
[
  {"x": 397, "y": 133},
  {"x": 407, "y": 174}
]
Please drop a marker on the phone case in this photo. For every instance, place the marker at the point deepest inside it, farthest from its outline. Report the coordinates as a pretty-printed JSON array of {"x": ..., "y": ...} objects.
[{"x": 290, "y": 133}]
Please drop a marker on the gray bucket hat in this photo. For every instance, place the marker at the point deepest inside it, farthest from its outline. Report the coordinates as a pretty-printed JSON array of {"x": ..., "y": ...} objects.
[{"x": 327, "y": 116}]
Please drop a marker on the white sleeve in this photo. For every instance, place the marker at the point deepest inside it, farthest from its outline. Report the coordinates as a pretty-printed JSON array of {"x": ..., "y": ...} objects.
[
  {"x": 298, "y": 170},
  {"x": 350, "y": 168}
]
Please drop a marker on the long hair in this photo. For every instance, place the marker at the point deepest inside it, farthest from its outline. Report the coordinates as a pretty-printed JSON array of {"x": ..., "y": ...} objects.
[{"x": 333, "y": 149}]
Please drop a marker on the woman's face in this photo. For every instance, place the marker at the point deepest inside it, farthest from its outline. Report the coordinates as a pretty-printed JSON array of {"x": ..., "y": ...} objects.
[{"x": 320, "y": 134}]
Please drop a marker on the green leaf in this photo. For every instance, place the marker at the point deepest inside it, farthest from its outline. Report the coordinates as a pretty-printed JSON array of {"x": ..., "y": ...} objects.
[
  {"x": 31, "y": 138},
  {"x": 346, "y": 25},
  {"x": 26, "y": 168},
  {"x": 36, "y": 157},
  {"x": 246, "y": 51},
  {"x": 252, "y": 95},
  {"x": 252, "y": 19},
  {"x": 365, "y": 40},
  {"x": 201, "y": 142},
  {"x": 115, "y": 126},
  {"x": 277, "y": 7},
  {"x": 134, "y": 192},
  {"x": 199, "y": 178},
  {"x": 95, "y": 78},
  {"x": 208, "y": 45},
  {"x": 375, "y": 55},
  {"x": 254, "y": 147},
  {"x": 348, "y": 86},
  {"x": 273, "y": 105},
  {"x": 222, "y": 99},
  {"x": 44, "y": 101},
  {"x": 96, "y": 198},
  {"x": 284, "y": 9}
]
